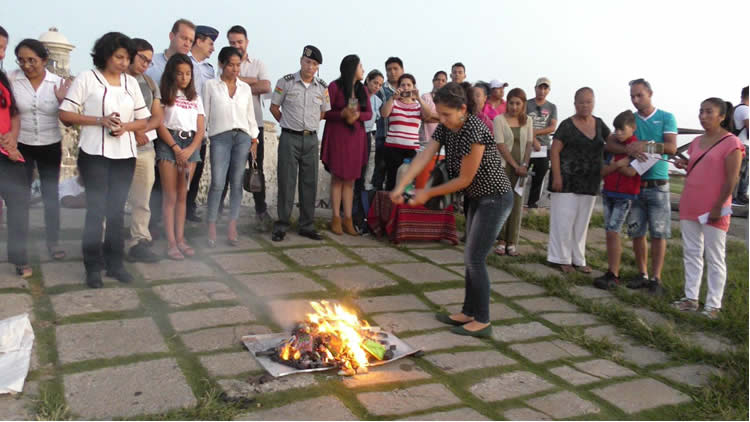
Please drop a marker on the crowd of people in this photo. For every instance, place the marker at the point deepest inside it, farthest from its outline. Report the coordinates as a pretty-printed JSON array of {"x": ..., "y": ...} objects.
[{"x": 148, "y": 120}]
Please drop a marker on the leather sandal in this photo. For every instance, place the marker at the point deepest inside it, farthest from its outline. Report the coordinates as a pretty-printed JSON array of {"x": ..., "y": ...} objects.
[
  {"x": 583, "y": 269},
  {"x": 500, "y": 250},
  {"x": 186, "y": 249},
  {"x": 511, "y": 250},
  {"x": 175, "y": 254}
]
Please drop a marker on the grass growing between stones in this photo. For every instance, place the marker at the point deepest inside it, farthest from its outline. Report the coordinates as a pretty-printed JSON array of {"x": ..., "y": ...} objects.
[{"x": 50, "y": 405}]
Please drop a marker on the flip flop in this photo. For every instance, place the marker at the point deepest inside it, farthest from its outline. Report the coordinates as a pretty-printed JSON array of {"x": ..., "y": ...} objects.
[
  {"x": 175, "y": 254},
  {"x": 584, "y": 269},
  {"x": 500, "y": 250},
  {"x": 186, "y": 249}
]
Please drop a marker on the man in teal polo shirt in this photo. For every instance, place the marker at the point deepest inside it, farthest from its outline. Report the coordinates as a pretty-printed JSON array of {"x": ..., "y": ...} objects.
[{"x": 652, "y": 210}]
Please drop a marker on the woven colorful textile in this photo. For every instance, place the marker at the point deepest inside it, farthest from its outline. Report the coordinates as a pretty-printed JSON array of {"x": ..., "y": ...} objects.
[{"x": 402, "y": 223}]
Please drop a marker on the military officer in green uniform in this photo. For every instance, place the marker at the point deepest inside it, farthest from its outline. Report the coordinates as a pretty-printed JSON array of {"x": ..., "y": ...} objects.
[{"x": 299, "y": 102}]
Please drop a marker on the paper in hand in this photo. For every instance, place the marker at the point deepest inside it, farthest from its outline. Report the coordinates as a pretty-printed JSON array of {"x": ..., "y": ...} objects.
[
  {"x": 642, "y": 166},
  {"x": 519, "y": 186},
  {"x": 542, "y": 153},
  {"x": 703, "y": 218}
]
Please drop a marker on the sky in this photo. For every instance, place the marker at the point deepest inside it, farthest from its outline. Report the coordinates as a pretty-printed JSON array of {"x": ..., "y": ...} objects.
[{"x": 688, "y": 50}]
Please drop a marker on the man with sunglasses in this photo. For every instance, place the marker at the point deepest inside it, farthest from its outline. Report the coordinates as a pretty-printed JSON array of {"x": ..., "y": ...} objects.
[
  {"x": 544, "y": 115},
  {"x": 652, "y": 210},
  {"x": 144, "y": 175}
]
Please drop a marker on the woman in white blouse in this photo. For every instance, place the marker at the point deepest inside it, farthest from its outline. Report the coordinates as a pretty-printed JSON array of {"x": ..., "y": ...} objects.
[
  {"x": 230, "y": 117},
  {"x": 38, "y": 95},
  {"x": 108, "y": 105}
]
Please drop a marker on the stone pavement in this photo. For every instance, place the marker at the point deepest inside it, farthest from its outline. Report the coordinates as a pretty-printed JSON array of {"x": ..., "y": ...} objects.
[{"x": 159, "y": 344}]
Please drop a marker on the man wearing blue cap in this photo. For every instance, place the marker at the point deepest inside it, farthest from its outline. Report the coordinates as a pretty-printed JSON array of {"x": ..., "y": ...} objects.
[
  {"x": 299, "y": 102},
  {"x": 203, "y": 70}
]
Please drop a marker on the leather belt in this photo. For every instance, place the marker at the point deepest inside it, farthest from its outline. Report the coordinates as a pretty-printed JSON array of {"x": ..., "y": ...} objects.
[
  {"x": 653, "y": 183},
  {"x": 299, "y": 132},
  {"x": 184, "y": 134}
]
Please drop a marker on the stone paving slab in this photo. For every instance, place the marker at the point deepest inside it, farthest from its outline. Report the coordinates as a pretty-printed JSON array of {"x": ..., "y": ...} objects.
[
  {"x": 254, "y": 386},
  {"x": 185, "y": 294},
  {"x": 710, "y": 343},
  {"x": 292, "y": 239},
  {"x": 251, "y": 262},
  {"x": 496, "y": 275},
  {"x": 525, "y": 414},
  {"x": 15, "y": 407},
  {"x": 641, "y": 394},
  {"x": 72, "y": 248},
  {"x": 185, "y": 269},
  {"x": 358, "y": 241},
  {"x": 401, "y": 371},
  {"x": 509, "y": 385},
  {"x": 401, "y": 401},
  {"x": 441, "y": 340},
  {"x": 63, "y": 273},
  {"x": 277, "y": 284},
  {"x": 567, "y": 319},
  {"x": 546, "y": 304},
  {"x": 313, "y": 257},
  {"x": 357, "y": 278},
  {"x": 141, "y": 388},
  {"x": 422, "y": 272},
  {"x": 520, "y": 332},
  {"x": 407, "y": 321},
  {"x": 108, "y": 339},
  {"x": 603, "y": 368},
  {"x": 544, "y": 351},
  {"x": 596, "y": 235},
  {"x": 441, "y": 256},
  {"x": 317, "y": 409},
  {"x": 228, "y": 364},
  {"x": 642, "y": 355},
  {"x": 696, "y": 375},
  {"x": 652, "y": 318},
  {"x": 223, "y": 246},
  {"x": 288, "y": 312},
  {"x": 589, "y": 292},
  {"x": 498, "y": 311},
  {"x": 12, "y": 304},
  {"x": 563, "y": 405},
  {"x": 460, "y": 414},
  {"x": 220, "y": 338},
  {"x": 9, "y": 279},
  {"x": 456, "y": 362},
  {"x": 406, "y": 302},
  {"x": 602, "y": 332},
  {"x": 520, "y": 288},
  {"x": 573, "y": 376},
  {"x": 94, "y": 300},
  {"x": 539, "y": 270},
  {"x": 446, "y": 296},
  {"x": 202, "y": 318},
  {"x": 383, "y": 255},
  {"x": 534, "y": 236}
]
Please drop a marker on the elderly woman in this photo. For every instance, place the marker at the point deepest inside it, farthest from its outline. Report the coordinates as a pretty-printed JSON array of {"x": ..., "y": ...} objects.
[
  {"x": 514, "y": 134},
  {"x": 38, "y": 95},
  {"x": 230, "y": 118},
  {"x": 576, "y": 158},
  {"x": 475, "y": 168},
  {"x": 712, "y": 173},
  {"x": 108, "y": 105}
]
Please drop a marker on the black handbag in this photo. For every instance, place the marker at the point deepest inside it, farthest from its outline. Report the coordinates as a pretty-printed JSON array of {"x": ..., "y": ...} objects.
[
  {"x": 438, "y": 176},
  {"x": 253, "y": 180}
]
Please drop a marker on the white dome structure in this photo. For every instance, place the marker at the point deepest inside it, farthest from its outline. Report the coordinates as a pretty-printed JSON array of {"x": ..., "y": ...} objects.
[{"x": 59, "y": 51}]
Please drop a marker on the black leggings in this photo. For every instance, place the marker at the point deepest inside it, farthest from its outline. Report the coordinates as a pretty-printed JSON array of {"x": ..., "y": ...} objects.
[
  {"x": 394, "y": 157},
  {"x": 47, "y": 160}
]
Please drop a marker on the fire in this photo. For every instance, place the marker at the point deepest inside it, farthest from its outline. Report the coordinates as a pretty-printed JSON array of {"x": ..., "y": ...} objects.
[{"x": 332, "y": 335}]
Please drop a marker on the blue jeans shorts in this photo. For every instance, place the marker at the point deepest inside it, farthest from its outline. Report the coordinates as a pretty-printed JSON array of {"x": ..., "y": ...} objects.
[
  {"x": 164, "y": 152},
  {"x": 615, "y": 212},
  {"x": 653, "y": 211}
]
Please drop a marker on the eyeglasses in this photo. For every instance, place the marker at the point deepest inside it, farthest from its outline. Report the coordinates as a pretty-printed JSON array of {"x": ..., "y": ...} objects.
[
  {"x": 144, "y": 58},
  {"x": 30, "y": 62}
]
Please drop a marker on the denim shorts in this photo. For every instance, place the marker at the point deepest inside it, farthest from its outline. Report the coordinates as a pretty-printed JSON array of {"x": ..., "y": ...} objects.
[
  {"x": 615, "y": 212},
  {"x": 653, "y": 211},
  {"x": 165, "y": 152}
]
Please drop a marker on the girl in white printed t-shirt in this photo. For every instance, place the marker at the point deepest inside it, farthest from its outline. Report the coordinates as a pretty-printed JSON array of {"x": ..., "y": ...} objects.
[{"x": 177, "y": 151}]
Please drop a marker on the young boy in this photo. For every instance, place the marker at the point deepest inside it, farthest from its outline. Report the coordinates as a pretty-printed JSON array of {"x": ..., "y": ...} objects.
[{"x": 621, "y": 185}]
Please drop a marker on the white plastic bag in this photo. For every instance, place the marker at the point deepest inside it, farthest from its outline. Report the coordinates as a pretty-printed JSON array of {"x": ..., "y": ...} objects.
[{"x": 16, "y": 341}]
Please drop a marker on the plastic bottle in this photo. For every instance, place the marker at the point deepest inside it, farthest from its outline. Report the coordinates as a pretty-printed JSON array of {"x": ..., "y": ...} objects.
[{"x": 401, "y": 173}]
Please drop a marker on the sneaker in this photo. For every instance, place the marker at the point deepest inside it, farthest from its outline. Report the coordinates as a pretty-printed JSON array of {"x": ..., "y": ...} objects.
[
  {"x": 142, "y": 253},
  {"x": 608, "y": 281},
  {"x": 655, "y": 288},
  {"x": 120, "y": 275},
  {"x": 263, "y": 222},
  {"x": 685, "y": 305},
  {"x": 710, "y": 312},
  {"x": 638, "y": 282}
]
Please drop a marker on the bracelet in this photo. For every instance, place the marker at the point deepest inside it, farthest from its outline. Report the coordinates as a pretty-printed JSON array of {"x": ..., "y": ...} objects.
[{"x": 173, "y": 145}]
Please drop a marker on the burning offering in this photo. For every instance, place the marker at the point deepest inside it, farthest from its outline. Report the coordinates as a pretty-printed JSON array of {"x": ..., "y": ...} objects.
[{"x": 331, "y": 337}]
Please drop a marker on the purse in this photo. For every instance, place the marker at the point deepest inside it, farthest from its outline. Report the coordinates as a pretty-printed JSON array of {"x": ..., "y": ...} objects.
[
  {"x": 438, "y": 176},
  {"x": 253, "y": 180}
]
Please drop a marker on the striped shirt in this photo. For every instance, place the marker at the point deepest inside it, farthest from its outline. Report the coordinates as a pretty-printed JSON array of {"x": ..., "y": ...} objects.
[{"x": 403, "y": 125}]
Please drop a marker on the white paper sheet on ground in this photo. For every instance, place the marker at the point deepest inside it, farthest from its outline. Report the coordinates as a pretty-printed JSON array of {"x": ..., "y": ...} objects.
[
  {"x": 643, "y": 166},
  {"x": 16, "y": 341},
  {"x": 519, "y": 186},
  {"x": 703, "y": 218},
  {"x": 542, "y": 153}
]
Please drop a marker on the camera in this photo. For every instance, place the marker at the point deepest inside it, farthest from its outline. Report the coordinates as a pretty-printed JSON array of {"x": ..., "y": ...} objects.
[{"x": 405, "y": 94}]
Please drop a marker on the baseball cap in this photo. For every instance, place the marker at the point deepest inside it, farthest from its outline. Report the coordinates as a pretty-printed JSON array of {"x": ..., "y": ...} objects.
[
  {"x": 543, "y": 81},
  {"x": 495, "y": 83}
]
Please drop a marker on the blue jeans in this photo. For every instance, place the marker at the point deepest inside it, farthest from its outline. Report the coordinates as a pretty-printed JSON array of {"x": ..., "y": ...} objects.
[
  {"x": 228, "y": 156},
  {"x": 484, "y": 219},
  {"x": 615, "y": 212},
  {"x": 652, "y": 211}
]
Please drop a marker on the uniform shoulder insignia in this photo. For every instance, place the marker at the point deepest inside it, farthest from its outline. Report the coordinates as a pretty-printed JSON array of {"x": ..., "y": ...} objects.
[
  {"x": 289, "y": 77},
  {"x": 322, "y": 82}
]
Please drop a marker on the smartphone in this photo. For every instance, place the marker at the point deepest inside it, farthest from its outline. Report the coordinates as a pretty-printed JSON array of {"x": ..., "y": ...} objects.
[{"x": 405, "y": 94}]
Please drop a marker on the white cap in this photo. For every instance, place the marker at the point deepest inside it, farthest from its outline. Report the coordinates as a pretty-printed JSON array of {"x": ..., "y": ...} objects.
[{"x": 495, "y": 83}]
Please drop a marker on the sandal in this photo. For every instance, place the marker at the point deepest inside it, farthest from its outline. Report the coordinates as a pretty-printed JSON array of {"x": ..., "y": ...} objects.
[
  {"x": 56, "y": 253},
  {"x": 24, "y": 271},
  {"x": 175, "y": 254},
  {"x": 186, "y": 249},
  {"x": 562, "y": 267},
  {"x": 511, "y": 250},
  {"x": 584, "y": 269},
  {"x": 500, "y": 250},
  {"x": 211, "y": 243}
]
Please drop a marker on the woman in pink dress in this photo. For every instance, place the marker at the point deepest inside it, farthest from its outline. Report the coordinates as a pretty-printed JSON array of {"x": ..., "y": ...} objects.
[{"x": 344, "y": 147}]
